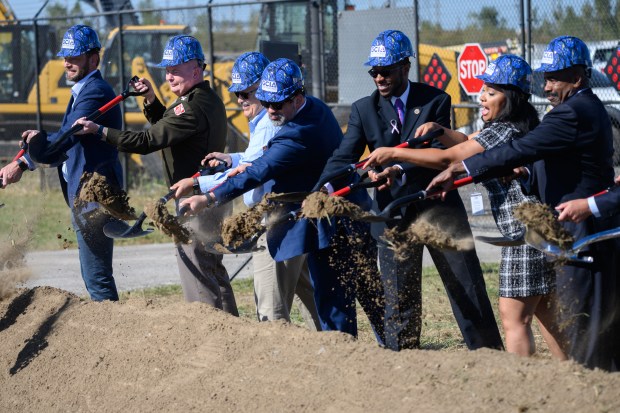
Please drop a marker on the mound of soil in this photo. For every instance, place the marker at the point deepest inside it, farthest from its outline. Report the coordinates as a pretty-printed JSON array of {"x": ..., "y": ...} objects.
[
  {"x": 540, "y": 219},
  {"x": 320, "y": 205},
  {"x": 240, "y": 227},
  {"x": 63, "y": 354},
  {"x": 96, "y": 188},
  {"x": 167, "y": 223},
  {"x": 423, "y": 232}
]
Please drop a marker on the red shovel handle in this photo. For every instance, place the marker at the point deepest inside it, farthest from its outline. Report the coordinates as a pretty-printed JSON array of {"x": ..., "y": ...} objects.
[{"x": 19, "y": 154}]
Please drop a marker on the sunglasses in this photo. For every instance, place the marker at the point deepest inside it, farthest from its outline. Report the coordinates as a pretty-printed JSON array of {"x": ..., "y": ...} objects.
[
  {"x": 275, "y": 105},
  {"x": 245, "y": 95},
  {"x": 384, "y": 72}
]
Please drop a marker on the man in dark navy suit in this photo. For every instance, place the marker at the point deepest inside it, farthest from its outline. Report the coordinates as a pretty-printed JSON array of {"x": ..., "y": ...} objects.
[
  {"x": 600, "y": 206},
  {"x": 572, "y": 152},
  {"x": 294, "y": 159},
  {"x": 80, "y": 50},
  {"x": 387, "y": 117}
]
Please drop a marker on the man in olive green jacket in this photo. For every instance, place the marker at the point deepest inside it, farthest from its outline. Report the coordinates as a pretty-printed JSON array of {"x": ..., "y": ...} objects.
[{"x": 193, "y": 126}]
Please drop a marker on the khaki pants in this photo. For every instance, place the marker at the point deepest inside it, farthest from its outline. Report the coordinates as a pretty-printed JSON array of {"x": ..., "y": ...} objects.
[{"x": 278, "y": 284}]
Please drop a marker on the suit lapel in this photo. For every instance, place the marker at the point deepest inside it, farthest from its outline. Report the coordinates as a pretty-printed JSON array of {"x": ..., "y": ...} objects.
[
  {"x": 412, "y": 114},
  {"x": 388, "y": 114}
]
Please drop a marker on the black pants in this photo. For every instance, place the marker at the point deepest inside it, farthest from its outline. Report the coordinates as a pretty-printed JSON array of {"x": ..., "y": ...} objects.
[
  {"x": 461, "y": 275},
  {"x": 589, "y": 301}
]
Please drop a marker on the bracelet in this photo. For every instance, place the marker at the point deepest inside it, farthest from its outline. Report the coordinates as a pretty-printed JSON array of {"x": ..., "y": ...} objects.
[
  {"x": 196, "y": 187},
  {"x": 100, "y": 131}
]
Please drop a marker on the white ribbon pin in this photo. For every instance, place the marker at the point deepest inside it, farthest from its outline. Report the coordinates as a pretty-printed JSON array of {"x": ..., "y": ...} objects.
[{"x": 394, "y": 124}]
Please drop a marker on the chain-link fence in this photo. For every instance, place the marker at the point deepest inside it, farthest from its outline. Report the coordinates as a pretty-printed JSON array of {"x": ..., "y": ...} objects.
[{"x": 329, "y": 38}]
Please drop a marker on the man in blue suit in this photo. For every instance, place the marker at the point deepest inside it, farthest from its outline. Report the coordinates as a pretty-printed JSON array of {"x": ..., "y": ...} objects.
[
  {"x": 75, "y": 156},
  {"x": 389, "y": 116},
  {"x": 294, "y": 159},
  {"x": 572, "y": 152}
]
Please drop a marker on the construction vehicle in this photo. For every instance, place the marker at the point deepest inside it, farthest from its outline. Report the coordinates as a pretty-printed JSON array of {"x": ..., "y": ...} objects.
[
  {"x": 21, "y": 99},
  {"x": 28, "y": 89}
]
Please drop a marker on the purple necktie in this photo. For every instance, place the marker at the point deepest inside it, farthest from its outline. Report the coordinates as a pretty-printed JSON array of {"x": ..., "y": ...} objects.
[{"x": 398, "y": 104}]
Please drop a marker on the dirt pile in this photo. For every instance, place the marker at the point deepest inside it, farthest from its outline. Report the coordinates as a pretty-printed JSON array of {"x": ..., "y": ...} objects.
[
  {"x": 167, "y": 223},
  {"x": 60, "y": 354},
  {"x": 321, "y": 205},
  {"x": 96, "y": 188},
  {"x": 241, "y": 227},
  {"x": 540, "y": 219},
  {"x": 424, "y": 232}
]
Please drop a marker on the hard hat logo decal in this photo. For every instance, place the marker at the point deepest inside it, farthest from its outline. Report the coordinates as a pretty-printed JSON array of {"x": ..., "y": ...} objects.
[
  {"x": 490, "y": 69},
  {"x": 377, "y": 51},
  {"x": 269, "y": 86},
  {"x": 68, "y": 43},
  {"x": 547, "y": 57},
  {"x": 168, "y": 54},
  {"x": 236, "y": 77}
]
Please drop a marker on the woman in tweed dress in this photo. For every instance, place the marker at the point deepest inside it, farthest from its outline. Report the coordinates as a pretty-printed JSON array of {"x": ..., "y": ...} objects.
[{"x": 527, "y": 281}]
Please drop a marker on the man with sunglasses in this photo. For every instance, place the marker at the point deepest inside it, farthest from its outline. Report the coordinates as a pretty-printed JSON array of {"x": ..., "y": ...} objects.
[
  {"x": 191, "y": 127},
  {"x": 294, "y": 159},
  {"x": 389, "y": 116},
  {"x": 275, "y": 283}
]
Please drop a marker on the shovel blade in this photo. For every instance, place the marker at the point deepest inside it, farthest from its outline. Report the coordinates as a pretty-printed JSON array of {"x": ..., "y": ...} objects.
[
  {"x": 500, "y": 241},
  {"x": 121, "y": 229}
]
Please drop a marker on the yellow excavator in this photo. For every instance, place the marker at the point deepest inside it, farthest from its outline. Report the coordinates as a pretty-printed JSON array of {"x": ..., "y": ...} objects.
[{"x": 34, "y": 92}]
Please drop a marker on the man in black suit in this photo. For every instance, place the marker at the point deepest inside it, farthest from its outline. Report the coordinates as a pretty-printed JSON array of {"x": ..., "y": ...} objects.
[
  {"x": 572, "y": 152},
  {"x": 388, "y": 117}
]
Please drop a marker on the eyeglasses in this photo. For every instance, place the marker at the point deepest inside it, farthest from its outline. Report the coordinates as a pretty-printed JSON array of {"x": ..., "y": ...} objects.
[
  {"x": 245, "y": 95},
  {"x": 384, "y": 72},
  {"x": 275, "y": 105}
]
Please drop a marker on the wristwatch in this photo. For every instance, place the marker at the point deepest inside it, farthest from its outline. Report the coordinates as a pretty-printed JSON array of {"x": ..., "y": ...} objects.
[
  {"x": 22, "y": 165},
  {"x": 196, "y": 187},
  {"x": 210, "y": 199}
]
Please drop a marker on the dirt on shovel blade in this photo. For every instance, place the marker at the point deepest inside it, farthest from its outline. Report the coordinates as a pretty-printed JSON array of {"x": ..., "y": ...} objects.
[
  {"x": 540, "y": 218},
  {"x": 240, "y": 227},
  {"x": 167, "y": 223},
  {"x": 96, "y": 188},
  {"x": 423, "y": 232},
  {"x": 320, "y": 205}
]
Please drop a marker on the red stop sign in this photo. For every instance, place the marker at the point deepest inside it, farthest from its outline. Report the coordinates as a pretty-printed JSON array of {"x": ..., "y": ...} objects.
[{"x": 471, "y": 62}]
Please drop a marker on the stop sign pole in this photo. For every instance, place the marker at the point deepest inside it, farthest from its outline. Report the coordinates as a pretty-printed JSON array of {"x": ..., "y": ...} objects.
[{"x": 471, "y": 62}]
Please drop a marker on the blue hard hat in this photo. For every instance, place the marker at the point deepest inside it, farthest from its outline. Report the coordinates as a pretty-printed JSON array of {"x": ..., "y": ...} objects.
[
  {"x": 280, "y": 79},
  {"x": 509, "y": 69},
  {"x": 390, "y": 47},
  {"x": 247, "y": 70},
  {"x": 564, "y": 52},
  {"x": 78, "y": 40},
  {"x": 181, "y": 49}
]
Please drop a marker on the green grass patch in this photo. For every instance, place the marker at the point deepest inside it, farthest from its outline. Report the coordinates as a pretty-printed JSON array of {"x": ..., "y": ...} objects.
[{"x": 43, "y": 215}]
